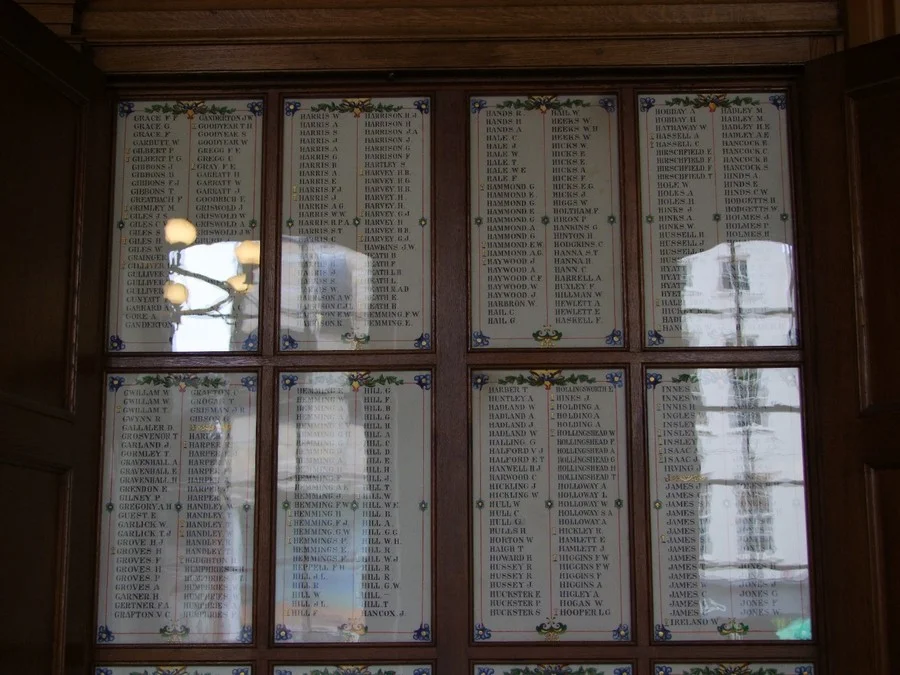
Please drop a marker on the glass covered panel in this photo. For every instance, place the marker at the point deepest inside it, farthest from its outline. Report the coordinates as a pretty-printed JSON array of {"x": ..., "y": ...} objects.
[
  {"x": 356, "y": 230},
  {"x": 353, "y": 536},
  {"x": 185, "y": 227},
  {"x": 545, "y": 238},
  {"x": 717, "y": 220},
  {"x": 551, "y": 549},
  {"x": 177, "y": 521},
  {"x": 728, "y": 510}
]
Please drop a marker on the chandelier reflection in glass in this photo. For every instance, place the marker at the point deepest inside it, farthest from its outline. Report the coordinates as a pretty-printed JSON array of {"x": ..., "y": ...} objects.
[{"x": 221, "y": 299}]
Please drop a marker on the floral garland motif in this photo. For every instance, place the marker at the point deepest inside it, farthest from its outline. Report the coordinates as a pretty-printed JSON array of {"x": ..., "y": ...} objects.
[
  {"x": 356, "y": 340},
  {"x": 551, "y": 629},
  {"x": 363, "y": 378},
  {"x": 547, "y": 336},
  {"x": 543, "y": 103},
  {"x": 357, "y": 106},
  {"x": 183, "y": 381},
  {"x": 712, "y": 101},
  {"x": 732, "y": 627},
  {"x": 352, "y": 670},
  {"x": 554, "y": 669},
  {"x": 732, "y": 669},
  {"x": 482, "y": 632},
  {"x": 686, "y": 377},
  {"x": 189, "y": 109},
  {"x": 174, "y": 633},
  {"x": 546, "y": 379}
]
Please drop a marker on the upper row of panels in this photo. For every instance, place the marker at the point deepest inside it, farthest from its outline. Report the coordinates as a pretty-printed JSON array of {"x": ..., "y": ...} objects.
[{"x": 545, "y": 223}]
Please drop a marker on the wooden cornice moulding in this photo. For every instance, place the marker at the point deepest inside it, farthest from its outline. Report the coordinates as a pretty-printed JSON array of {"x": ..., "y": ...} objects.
[
  {"x": 118, "y": 22},
  {"x": 149, "y": 59}
]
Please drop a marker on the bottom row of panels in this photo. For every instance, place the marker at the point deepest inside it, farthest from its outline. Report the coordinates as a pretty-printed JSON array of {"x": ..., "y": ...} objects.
[{"x": 494, "y": 669}]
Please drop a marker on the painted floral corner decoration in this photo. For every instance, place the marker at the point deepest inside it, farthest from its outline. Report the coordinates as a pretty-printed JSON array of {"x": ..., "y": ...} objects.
[
  {"x": 732, "y": 628},
  {"x": 174, "y": 633},
  {"x": 803, "y": 670},
  {"x": 422, "y": 671},
  {"x": 283, "y": 633},
  {"x": 485, "y": 670},
  {"x": 100, "y": 670},
  {"x": 624, "y": 670},
  {"x": 241, "y": 670},
  {"x": 423, "y": 341},
  {"x": 246, "y": 634},
  {"x": 654, "y": 380},
  {"x": 712, "y": 101},
  {"x": 249, "y": 381},
  {"x": 105, "y": 635},
  {"x": 352, "y": 630},
  {"x": 660, "y": 632},
  {"x": 662, "y": 670},
  {"x": 482, "y": 632},
  {"x": 288, "y": 343},
  {"x": 479, "y": 380},
  {"x": 423, "y": 105},
  {"x": 654, "y": 338},
  {"x": 477, "y": 105},
  {"x": 357, "y": 106},
  {"x": 614, "y": 339},
  {"x": 291, "y": 108},
  {"x": 551, "y": 629},
  {"x": 547, "y": 336},
  {"x": 543, "y": 103},
  {"x": 422, "y": 633},
  {"x": 183, "y": 381},
  {"x": 189, "y": 109},
  {"x": 288, "y": 382},
  {"x": 126, "y": 108},
  {"x": 255, "y": 108},
  {"x": 280, "y": 671},
  {"x": 363, "y": 378},
  {"x": 608, "y": 103},
  {"x": 250, "y": 343},
  {"x": 423, "y": 380},
  {"x": 116, "y": 382},
  {"x": 546, "y": 379},
  {"x": 116, "y": 344},
  {"x": 479, "y": 339},
  {"x": 645, "y": 103},
  {"x": 355, "y": 339},
  {"x": 616, "y": 379},
  {"x": 779, "y": 101},
  {"x": 621, "y": 632}
]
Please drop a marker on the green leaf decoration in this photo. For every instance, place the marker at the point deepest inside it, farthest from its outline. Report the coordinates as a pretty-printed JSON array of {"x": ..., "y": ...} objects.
[
  {"x": 365, "y": 379},
  {"x": 543, "y": 103},
  {"x": 732, "y": 669},
  {"x": 188, "y": 380},
  {"x": 712, "y": 101},
  {"x": 686, "y": 377},
  {"x": 541, "y": 670},
  {"x": 189, "y": 108},
  {"x": 357, "y": 106},
  {"x": 546, "y": 378}
]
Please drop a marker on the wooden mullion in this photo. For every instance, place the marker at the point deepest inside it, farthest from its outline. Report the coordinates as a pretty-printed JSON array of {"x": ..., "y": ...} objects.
[{"x": 271, "y": 225}]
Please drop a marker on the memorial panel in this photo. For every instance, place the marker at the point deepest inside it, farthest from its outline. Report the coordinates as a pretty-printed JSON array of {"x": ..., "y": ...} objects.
[
  {"x": 551, "y": 549},
  {"x": 186, "y": 212},
  {"x": 376, "y": 669},
  {"x": 177, "y": 522},
  {"x": 353, "y": 536},
  {"x": 734, "y": 669},
  {"x": 356, "y": 224},
  {"x": 717, "y": 220},
  {"x": 728, "y": 510},
  {"x": 554, "y": 669},
  {"x": 188, "y": 669},
  {"x": 545, "y": 233}
]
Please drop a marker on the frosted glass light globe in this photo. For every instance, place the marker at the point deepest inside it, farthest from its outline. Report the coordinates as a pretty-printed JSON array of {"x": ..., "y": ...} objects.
[
  {"x": 247, "y": 252},
  {"x": 175, "y": 293},
  {"x": 180, "y": 231},
  {"x": 239, "y": 283}
]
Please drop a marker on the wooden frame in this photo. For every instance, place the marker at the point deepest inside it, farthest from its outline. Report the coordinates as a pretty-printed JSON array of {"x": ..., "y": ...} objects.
[{"x": 451, "y": 361}]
